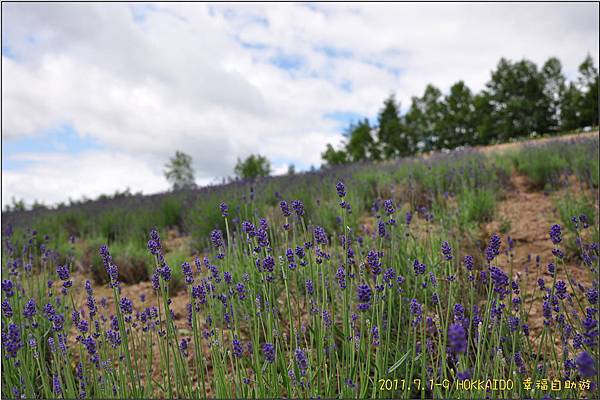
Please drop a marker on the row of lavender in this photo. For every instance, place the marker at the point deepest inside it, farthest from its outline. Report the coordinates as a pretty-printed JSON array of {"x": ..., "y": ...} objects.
[{"x": 291, "y": 310}]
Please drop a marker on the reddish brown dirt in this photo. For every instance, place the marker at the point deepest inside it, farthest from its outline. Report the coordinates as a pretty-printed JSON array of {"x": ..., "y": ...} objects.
[{"x": 530, "y": 214}]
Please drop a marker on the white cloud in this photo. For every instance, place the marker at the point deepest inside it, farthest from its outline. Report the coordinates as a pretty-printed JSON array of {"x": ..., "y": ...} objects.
[
  {"x": 143, "y": 81},
  {"x": 87, "y": 174}
]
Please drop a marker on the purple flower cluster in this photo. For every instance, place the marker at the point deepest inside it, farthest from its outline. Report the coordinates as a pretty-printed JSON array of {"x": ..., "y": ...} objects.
[
  {"x": 224, "y": 209},
  {"x": 268, "y": 351},
  {"x": 341, "y": 189},
  {"x": 111, "y": 269},
  {"x": 364, "y": 295},
  {"x": 555, "y": 234},
  {"x": 447, "y": 251},
  {"x": 468, "y": 262},
  {"x": 493, "y": 248},
  {"x": 457, "y": 339},
  {"x": 298, "y": 207},
  {"x": 301, "y": 361},
  {"x": 373, "y": 262},
  {"x": 419, "y": 268},
  {"x": 285, "y": 208}
]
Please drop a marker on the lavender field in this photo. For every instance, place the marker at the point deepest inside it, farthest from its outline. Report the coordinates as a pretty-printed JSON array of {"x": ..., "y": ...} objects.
[{"x": 418, "y": 278}]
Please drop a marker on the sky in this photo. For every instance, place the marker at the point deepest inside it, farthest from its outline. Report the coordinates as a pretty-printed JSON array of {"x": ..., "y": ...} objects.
[{"x": 97, "y": 97}]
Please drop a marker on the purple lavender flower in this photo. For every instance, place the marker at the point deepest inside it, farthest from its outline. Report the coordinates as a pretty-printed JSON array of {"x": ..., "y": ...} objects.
[
  {"x": 457, "y": 339},
  {"x": 268, "y": 351},
  {"x": 561, "y": 289},
  {"x": 110, "y": 268},
  {"x": 164, "y": 270},
  {"x": 309, "y": 287},
  {"x": 468, "y": 262},
  {"x": 447, "y": 251},
  {"x": 7, "y": 309},
  {"x": 126, "y": 305},
  {"x": 381, "y": 229},
  {"x": 586, "y": 364},
  {"x": 155, "y": 279},
  {"x": 298, "y": 207},
  {"x": 555, "y": 234},
  {"x": 418, "y": 267},
  {"x": 224, "y": 209},
  {"x": 301, "y": 361},
  {"x": 493, "y": 248},
  {"x": 416, "y": 310},
  {"x": 12, "y": 340},
  {"x": 183, "y": 347},
  {"x": 285, "y": 208},
  {"x": 63, "y": 272},
  {"x": 408, "y": 218},
  {"x": 459, "y": 312},
  {"x": 269, "y": 264},
  {"x": 49, "y": 311},
  {"x": 58, "y": 322},
  {"x": 364, "y": 293},
  {"x": 341, "y": 189},
  {"x": 187, "y": 272},
  {"x": 56, "y": 388},
  {"x": 389, "y": 276},
  {"x": 249, "y": 228},
  {"x": 513, "y": 323},
  {"x": 90, "y": 345},
  {"x": 216, "y": 237},
  {"x": 238, "y": 350},
  {"x": 388, "y": 205},
  {"x": 519, "y": 362},
  {"x": 263, "y": 237},
  {"x": 241, "y": 290},
  {"x": 592, "y": 295},
  {"x": 341, "y": 277},
  {"x": 320, "y": 235},
  {"x": 114, "y": 338},
  {"x": 375, "y": 336},
  {"x": 551, "y": 269},
  {"x": 373, "y": 262},
  {"x": 83, "y": 326},
  {"x": 500, "y": 280},
  {"x": 7, "y": 287},
  {"x": 558, "y": 253}
]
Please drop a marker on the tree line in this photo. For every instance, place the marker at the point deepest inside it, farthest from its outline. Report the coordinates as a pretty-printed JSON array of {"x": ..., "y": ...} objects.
[{"x": 519, "y": 100}]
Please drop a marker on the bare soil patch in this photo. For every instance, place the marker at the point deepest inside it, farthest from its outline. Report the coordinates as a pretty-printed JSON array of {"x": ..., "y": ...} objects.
[{"x": 529, "y": 215}]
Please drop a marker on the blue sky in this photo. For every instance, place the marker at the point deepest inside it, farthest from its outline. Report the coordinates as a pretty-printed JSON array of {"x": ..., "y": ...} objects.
[{"x": 97, "y": 97}]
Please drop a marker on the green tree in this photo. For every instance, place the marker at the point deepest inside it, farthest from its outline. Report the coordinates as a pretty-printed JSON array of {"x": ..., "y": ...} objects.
[
  {"x": 588, "y": 86},
  {"x": 519, "y": 106},
  {"x": 179, "y": 171},
  {"x": 291, "y": 169},
  {"x": 252, "y": 167},
  {"x": 333, "y": 157},
  {"x": 579, "y": 102},
  {"x": 423, "y": 120},
  {"x": 570, "y": 108},
  {"x": 361, "y": 146},
  {"x": 482, "y": 116},
  {"x": 456, "y": 126},
  {"x": 391, "y": 135},
  {"x": 554, "y": 88},
  {"x": 17, "y": 205}
]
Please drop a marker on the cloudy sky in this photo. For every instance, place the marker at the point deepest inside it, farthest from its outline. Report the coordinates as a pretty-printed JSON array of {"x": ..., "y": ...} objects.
[{"x": 97, "y": 97}]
